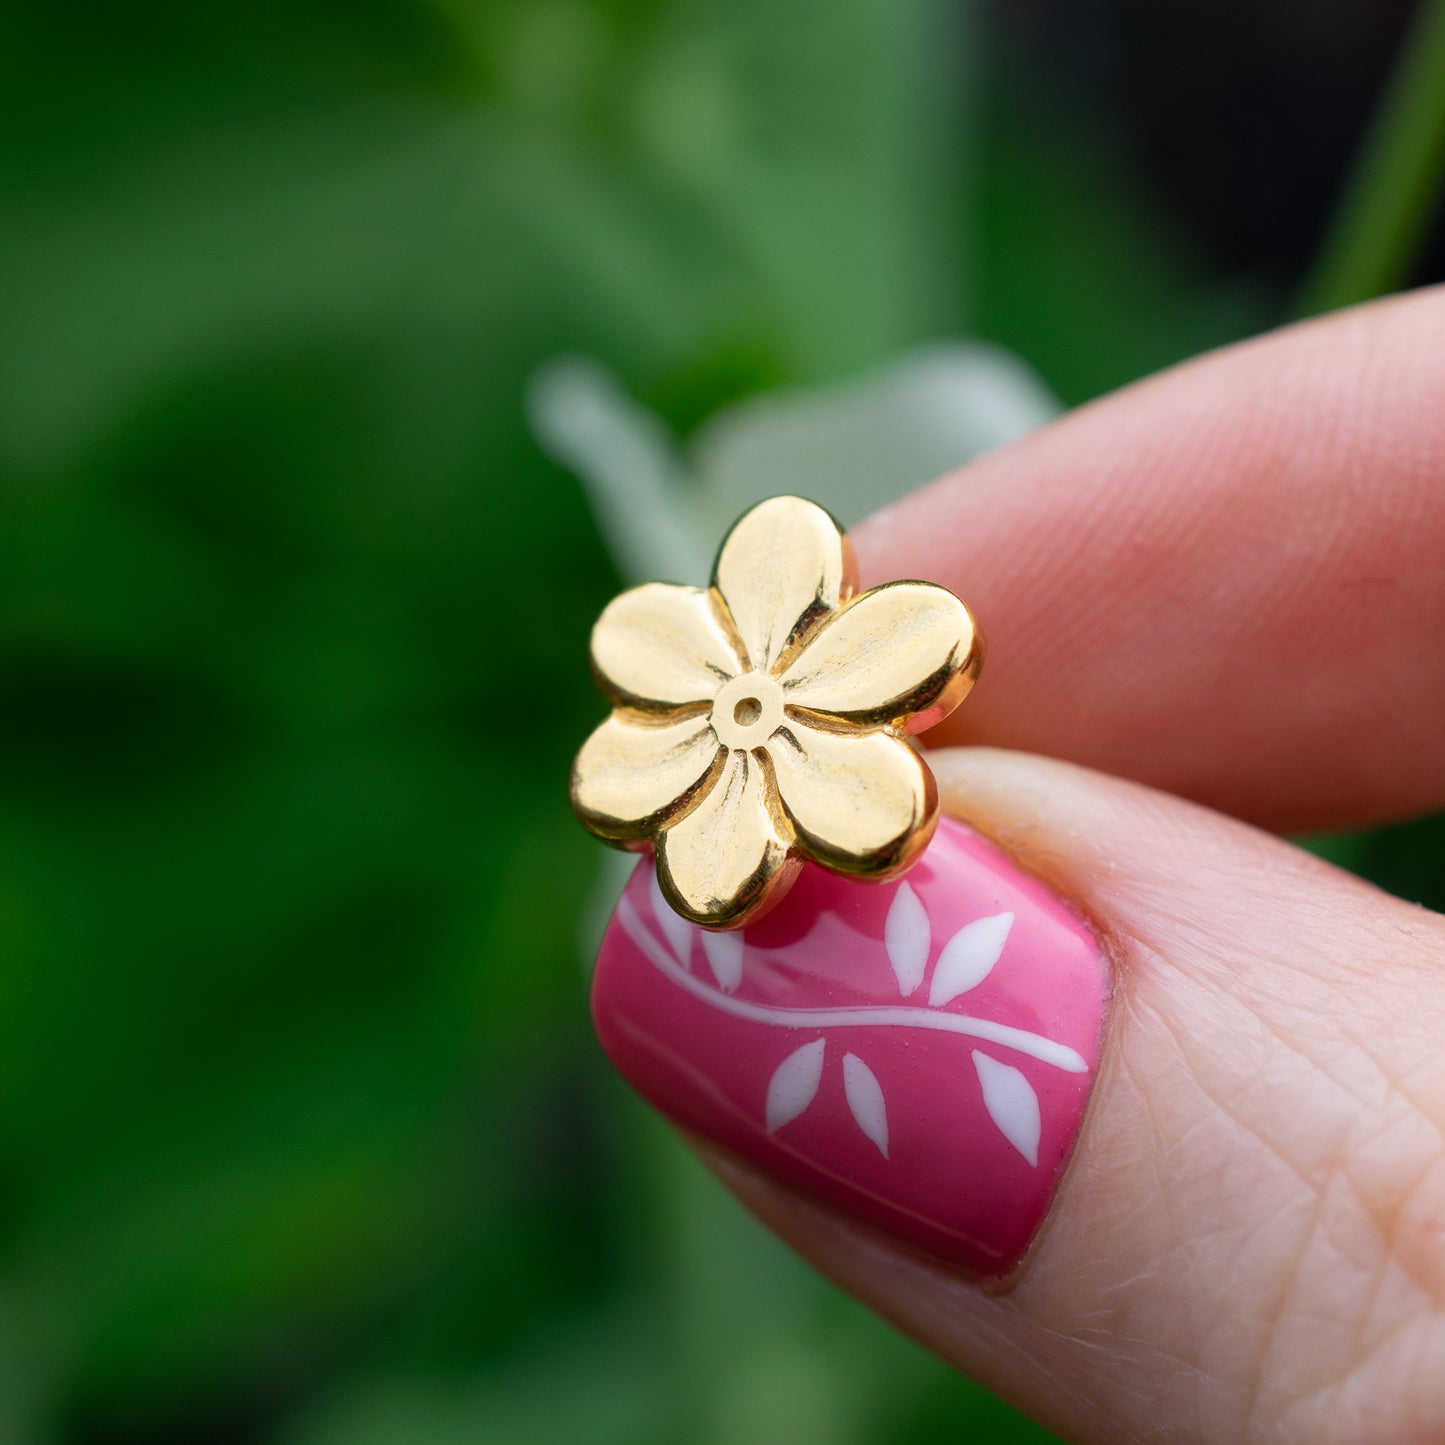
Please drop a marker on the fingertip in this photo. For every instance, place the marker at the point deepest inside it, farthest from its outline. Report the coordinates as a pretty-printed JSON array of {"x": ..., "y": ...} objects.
[{"x": 1223, "y": 581}]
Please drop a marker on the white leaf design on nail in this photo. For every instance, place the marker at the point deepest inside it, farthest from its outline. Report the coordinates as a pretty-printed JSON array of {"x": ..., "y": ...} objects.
[
  {"x": 794, "y": 1084},
  {"x": 865, "y": 1099},
  {"x": 968, "y": 957},
  {"x": 1011, "y": 1103},
  {"x": 725, "y": 957},
  {"x": 675, "y": 928},
  {"x": 907, "y": 935}
]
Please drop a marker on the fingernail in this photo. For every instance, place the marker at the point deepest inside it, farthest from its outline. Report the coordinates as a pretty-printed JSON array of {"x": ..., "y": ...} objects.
[{"x": 916, "y": 1053}]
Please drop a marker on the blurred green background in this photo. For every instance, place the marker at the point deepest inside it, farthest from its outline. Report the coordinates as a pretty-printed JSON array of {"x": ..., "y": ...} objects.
[{"x": 303, "y": 1135}]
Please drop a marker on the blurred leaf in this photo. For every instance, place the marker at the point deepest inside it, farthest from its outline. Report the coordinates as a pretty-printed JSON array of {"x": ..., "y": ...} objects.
[{"x": 1394, "y": 196}]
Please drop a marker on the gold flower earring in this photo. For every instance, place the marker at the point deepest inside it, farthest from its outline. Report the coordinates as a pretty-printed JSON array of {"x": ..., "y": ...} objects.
[{"x": 763, "y": 720}]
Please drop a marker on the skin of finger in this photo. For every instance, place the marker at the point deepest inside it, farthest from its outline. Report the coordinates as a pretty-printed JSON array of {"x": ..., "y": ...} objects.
[
  {"x": 1250, "y": 1242},
  {"x": 1226, "y": 581}
]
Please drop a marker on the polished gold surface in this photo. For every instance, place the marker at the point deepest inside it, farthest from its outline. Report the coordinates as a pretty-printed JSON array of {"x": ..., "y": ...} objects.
[{"x": 763, "y": 720}]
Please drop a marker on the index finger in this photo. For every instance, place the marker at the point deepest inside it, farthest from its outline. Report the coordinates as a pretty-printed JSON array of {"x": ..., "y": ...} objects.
[{"x": 1227, "y": 581}]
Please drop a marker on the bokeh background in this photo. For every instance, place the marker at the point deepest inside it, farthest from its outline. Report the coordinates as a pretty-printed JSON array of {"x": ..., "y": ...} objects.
[{"x": 303, "y": 1135}]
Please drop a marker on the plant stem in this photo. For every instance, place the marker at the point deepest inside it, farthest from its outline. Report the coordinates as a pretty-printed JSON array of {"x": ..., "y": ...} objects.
[{"x": 1391, "y": 199}]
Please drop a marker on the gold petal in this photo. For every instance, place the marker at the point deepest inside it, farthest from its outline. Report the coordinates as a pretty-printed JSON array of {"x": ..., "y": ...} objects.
[
  {"x": 904, "y": 654},
  {"x": 659, "y": 647},
  {"x": 724, "y": 860},
  {"x": 633, "y": 775},
  {"x": 863, "y": 803},
  {"x": 782, "y": 568}
]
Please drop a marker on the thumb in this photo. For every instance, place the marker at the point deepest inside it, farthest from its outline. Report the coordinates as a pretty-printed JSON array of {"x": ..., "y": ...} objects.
[{"x": 1245, "y": 1241}]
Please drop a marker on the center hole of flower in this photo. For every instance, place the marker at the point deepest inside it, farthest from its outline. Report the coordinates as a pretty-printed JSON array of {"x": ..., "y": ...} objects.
[{"x": 747, "y": 712}]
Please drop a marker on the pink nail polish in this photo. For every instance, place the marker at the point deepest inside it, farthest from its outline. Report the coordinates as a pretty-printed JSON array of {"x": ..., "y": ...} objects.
[{"x": 918, "y": 1053}]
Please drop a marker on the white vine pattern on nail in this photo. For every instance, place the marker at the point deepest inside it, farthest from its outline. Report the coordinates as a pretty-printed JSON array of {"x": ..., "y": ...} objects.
[
  {"x": 1012, "y": 1104},
  {"x": 865, "y": 1098},
  {"x": 1020, "y": 1039},
  {"x": 968, "y": 958},
  {"x": 908, "y": 936},
  {"x": 794, "y": 1085},
  {"x": 1036, "y": 1046},
  {"x": 675, "y": 928},
  {"x": 963, "y": 963},
  {"x": 724, "y": 952}
]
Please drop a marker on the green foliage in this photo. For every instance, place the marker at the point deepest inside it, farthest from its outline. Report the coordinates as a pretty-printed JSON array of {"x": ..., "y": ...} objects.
[
  {"x": 1394, "y": 197},
  {"x": 304, "y": 1137}
]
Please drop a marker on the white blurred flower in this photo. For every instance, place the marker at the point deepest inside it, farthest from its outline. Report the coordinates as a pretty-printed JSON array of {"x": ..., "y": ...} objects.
[{"x": 852, "y": 446}]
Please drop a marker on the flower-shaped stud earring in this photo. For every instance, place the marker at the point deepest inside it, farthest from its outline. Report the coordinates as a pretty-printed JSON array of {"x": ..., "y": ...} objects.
[{"x": 764, "y": 720}]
